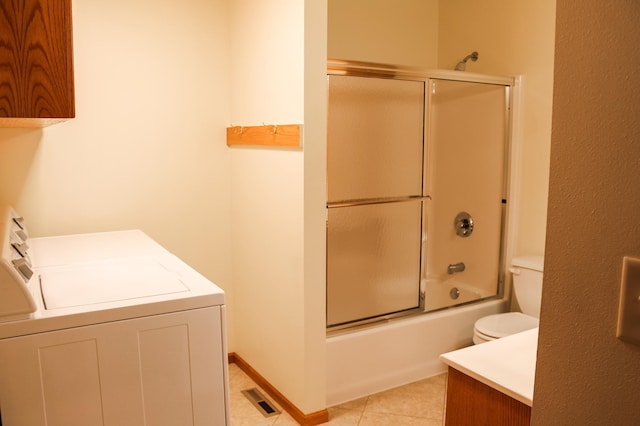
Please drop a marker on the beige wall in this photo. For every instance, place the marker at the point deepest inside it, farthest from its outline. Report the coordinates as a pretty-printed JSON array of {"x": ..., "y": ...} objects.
[
  {"x": 156, "y": 85},
  {"x": 512, "y": 38},
  {"x": 147, "y": 148},
  {"x": 516, "y": 39},
  {"x": 403, "y": 32},
  {"x": 584, "y": 374},
  {"x": 278, "y": 196}
]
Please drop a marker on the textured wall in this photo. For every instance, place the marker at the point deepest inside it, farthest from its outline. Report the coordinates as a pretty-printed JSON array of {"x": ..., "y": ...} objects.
[{"x": 585, "y": 375}]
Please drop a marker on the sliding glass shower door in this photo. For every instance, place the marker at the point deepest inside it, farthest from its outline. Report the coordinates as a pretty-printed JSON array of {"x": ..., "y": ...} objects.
[
  {"x": 466, "y": 175},
  {"x": 417, "y": 191},
  {"x": 374, "y": 178}
]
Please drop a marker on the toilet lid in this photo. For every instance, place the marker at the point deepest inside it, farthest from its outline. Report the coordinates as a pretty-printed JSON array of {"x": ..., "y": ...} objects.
[{"x": 500, "y": 325}]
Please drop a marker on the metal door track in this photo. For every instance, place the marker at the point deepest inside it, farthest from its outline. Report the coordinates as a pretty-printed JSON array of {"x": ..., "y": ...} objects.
[{"x": 259, "y": 401}]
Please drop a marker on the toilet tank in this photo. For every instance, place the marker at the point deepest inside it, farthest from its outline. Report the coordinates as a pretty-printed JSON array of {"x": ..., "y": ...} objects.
[{"x": 527, "y": 283}]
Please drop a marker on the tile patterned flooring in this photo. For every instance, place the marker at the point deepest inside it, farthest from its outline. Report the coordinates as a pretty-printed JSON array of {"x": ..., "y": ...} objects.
[{"x": 419, "y": 403}]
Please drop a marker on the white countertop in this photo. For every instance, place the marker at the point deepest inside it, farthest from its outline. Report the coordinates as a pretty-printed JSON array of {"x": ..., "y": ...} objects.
[{"x": 507, "y": 365}]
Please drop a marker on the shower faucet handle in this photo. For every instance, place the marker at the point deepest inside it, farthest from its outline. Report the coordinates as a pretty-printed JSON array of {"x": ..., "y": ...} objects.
[{"x": 463, "y": 224}]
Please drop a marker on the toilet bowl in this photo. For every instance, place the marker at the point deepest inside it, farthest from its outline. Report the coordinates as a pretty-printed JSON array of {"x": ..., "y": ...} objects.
[{"x": 527, "y": 289}]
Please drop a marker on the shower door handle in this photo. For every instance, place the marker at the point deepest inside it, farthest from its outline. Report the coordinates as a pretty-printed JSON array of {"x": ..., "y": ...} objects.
[{"x": 369, "y": 201}]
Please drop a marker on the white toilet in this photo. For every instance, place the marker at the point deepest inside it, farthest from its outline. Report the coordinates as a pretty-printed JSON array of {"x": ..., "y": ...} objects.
[{"x": 527, "y": 289}]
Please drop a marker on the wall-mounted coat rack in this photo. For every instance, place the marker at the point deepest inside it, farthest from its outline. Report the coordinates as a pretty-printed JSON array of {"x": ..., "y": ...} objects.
[{"x": 267, "y": 135}]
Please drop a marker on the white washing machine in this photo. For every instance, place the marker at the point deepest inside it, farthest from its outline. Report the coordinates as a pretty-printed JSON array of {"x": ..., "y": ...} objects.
[{"x": 107, "y": 329}]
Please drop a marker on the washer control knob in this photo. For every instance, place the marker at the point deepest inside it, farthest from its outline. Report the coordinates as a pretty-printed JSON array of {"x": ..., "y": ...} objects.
[
  {"x": 22, "y": 265},
  {"x": 19, "y": 220},
  {"x": 22, "y": 234},
  {"x": 21, "y": 248}
]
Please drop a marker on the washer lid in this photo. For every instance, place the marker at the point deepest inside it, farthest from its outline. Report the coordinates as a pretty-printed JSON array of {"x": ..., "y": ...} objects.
[
  {"x": 67, "y": 250},
  {"x": 107, "y": 282},
  {"x": 501, "y": 325}
]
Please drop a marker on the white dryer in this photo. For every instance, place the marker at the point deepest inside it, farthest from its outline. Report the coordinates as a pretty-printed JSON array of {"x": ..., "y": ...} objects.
[{"x": 107, "y": 329}]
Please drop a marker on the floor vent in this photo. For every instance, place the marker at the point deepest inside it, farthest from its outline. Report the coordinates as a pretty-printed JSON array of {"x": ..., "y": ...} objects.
[{"x": 259, "y": 401}]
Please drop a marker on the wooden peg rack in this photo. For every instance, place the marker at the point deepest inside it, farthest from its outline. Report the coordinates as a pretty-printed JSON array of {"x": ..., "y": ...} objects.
[{"x": 267, "y": 135}]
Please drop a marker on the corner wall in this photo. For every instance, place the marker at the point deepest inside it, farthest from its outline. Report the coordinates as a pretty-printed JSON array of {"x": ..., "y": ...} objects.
[
  {"x": 384, "y": 31},
  {"x": 278, "y": 196},
  {"x": 315, "y": 199}
]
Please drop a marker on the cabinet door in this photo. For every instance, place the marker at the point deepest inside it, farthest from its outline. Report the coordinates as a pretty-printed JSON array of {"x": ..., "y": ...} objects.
[
  {"x": 36, "y": 62},
  {"x": 470, "y": 402},
  {"x": 163, "y": 370}
]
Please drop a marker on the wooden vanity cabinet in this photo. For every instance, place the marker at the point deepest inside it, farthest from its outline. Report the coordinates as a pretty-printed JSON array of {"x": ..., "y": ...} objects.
[
  {"x": 472, "y": 403},
  {"x": 36, "y": 63}
]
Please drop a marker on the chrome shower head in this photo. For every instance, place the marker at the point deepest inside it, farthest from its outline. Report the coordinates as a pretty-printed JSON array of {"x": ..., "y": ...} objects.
[{"x": 463, "y": 63}]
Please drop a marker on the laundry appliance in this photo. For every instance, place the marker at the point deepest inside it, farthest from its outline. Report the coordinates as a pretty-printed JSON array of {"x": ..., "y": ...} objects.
[{"x": 107, "y": 329}]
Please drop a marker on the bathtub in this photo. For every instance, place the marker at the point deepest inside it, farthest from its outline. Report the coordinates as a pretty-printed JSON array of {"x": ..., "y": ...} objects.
[{"x": 384, "y": 355}]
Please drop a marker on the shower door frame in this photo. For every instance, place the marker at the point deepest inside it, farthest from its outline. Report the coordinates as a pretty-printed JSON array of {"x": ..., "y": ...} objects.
[{"x": 376, "y": 70}]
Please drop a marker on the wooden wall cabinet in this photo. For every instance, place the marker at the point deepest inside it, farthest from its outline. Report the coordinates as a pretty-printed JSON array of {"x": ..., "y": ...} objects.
[
  {"x": 36, "y": 63},
  {"x": 472, "y": 403}
]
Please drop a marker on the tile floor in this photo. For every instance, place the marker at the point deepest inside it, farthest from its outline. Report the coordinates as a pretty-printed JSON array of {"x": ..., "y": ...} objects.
[{"x": 419, "y": 403}]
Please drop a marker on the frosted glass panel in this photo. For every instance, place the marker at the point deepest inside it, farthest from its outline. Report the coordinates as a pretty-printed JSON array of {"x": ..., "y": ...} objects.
[
  {"x": 466, "y": 172},
  {"x": 375, "y": 138},
  {"x": 373, "y": 261}
]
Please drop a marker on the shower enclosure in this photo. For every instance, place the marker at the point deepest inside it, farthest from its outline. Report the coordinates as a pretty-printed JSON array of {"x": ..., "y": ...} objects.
[{"x": 416, "y": 187}]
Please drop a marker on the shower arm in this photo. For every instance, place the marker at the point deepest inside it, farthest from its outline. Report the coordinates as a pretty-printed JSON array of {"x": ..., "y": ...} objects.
[{"x": 460, "y": 66}]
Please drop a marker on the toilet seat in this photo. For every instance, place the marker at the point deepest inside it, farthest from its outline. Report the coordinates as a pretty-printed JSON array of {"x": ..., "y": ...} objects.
[
  {"x": 501, "y": 325},
  {"x": 481, "y": 338}
]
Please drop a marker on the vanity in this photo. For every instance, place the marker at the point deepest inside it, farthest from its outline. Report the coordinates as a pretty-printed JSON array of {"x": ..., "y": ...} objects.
[{"x": 492, "y": 383}]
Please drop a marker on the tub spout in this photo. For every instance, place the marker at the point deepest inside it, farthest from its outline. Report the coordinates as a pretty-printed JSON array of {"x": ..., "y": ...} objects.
[{"x": 455, "y": 267}]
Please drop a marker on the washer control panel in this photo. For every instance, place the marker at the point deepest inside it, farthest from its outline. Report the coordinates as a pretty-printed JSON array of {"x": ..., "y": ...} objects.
[{"x": 16, "y": 270}]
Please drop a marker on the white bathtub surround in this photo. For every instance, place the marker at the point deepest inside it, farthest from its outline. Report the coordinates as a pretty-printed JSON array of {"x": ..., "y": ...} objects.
[
  {"x": 380, "y": 357},
  {"x": 507, "y": 365}
]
